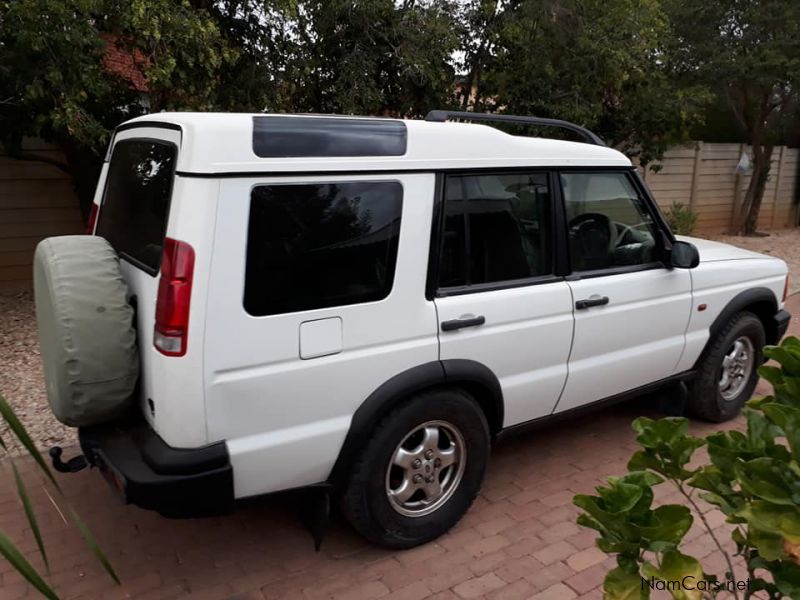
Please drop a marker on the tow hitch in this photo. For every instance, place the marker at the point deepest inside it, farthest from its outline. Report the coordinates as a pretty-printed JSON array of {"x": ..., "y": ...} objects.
[{"x": 73, "y": 465}]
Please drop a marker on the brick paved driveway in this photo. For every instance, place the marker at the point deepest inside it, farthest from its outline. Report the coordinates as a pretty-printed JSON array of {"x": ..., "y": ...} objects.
[{"x": 519, "y": 540}]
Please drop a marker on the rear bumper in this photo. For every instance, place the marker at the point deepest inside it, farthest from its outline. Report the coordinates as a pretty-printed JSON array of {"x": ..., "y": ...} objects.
[
  {"x": 782, "y": 319},
  {"x": 152, "y": 475}
]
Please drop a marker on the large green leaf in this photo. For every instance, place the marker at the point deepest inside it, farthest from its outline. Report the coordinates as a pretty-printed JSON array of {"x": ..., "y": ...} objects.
[
  {"x": 786, "y": 575},
  {"x": 24, "y": 568},
  {"x": 769, "y": 480},
  {"x": 22, "y": 435},
  {"x": 29, "y": 514},
  {"x": 773, "y": 518},
  {"x": 93, "y": 545},
  {"x": 670, "y": 523},
  {"x": 787, "y": 355},
  {"x": 621, "y": 584},
  {"x": 788, "y": 419},
  {"x": 680, "y": 573},
  {"x": 769, "y": 545},
  {"x": 620, "y": 497}
]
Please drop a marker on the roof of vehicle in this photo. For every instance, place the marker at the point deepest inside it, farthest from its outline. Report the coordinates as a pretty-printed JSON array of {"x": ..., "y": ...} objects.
[{"x": 224, "y": 143}]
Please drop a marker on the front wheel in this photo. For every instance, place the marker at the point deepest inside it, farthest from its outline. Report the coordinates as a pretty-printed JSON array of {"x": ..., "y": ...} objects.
[
  {"x": 420, "y": 471},
  {"x": 727, "y": 373}
]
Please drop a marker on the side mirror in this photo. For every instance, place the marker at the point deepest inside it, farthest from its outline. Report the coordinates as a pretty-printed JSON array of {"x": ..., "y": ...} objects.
[{"x": 684, "y": 255}]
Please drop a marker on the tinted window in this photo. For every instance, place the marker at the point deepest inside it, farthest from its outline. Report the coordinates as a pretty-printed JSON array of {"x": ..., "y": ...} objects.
[
  {"x": 609, "y": 224},
  {"x": 133, "y": 215},
  {"x": 320, "y": 245},
  {"x": 497, "y": 228},
  {"x": 319, "y": 136}
]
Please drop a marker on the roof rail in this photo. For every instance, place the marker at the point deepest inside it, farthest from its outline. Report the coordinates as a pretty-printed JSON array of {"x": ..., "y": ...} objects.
[{"x": 446, "y": 115}]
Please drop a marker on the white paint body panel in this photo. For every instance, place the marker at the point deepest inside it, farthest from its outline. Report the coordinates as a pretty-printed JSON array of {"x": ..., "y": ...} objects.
[
  {"x": 525, "y": 342},
  {"x": 285, "y": 418},
  {"x": 636, "y": 339}
]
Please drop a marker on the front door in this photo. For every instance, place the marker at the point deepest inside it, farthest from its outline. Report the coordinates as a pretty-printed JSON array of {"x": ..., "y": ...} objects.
[
  {"x": 497, "y": 298},
  {"x": 631, "y": 312}
]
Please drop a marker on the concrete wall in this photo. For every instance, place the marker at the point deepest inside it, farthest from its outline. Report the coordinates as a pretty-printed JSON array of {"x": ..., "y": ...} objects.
[{"x": 704, "y": 177}]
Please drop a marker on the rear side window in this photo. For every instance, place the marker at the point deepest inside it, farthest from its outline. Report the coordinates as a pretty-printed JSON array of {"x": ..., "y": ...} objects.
[
  {"x": 318, "y": 245},
  {"x": 133, "y": 215},
  {"x": 496, "y": 229}
]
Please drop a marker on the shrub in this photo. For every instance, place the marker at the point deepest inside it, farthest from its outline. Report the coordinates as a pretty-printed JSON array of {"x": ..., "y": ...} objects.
[
  {"x": 681, "y": 218},
  {"x": 752, "y": 477}
]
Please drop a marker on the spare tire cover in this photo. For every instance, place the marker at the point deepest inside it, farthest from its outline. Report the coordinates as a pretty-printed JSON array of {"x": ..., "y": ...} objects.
[{"x": 86, "y": 333}]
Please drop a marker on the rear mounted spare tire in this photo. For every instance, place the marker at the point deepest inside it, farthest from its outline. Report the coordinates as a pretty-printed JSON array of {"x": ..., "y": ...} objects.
[{"x": 86, "y": 333}]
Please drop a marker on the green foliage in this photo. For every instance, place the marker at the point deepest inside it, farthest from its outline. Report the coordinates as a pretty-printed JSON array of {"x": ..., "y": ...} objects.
[
  {"x": 601, "y": 64},
  {"x": 7, "y": 549},
  {"x": 752, "y": 477},
  {"x": 681, "y": 218},
  {"x": 748, "y": 52}
]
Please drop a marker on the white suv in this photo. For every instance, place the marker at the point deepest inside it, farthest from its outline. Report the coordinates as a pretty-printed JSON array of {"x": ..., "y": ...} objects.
[{"x": 366, "y": 304}]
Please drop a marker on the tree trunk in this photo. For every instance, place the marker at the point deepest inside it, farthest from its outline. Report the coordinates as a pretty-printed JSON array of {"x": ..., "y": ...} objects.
[
  {"x": 84, "y": 166},
  {"x": 751, "y": 206}
]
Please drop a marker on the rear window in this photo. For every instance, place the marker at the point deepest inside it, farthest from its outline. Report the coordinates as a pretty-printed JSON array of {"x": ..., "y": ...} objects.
[
  {"x": 133, "y": 214},
  {"x": 314, "y": 246}
]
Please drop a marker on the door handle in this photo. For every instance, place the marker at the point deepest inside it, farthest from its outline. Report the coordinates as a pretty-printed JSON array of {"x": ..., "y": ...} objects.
[
  {"x": 589, "y": 302},
  {"x": 461, "y": 323}
]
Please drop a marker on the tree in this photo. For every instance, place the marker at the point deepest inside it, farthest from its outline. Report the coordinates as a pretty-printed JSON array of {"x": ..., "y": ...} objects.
[
  {"x": 749, "y": 51},
  {"x": 54, "y": 83},
  {"x": 368, "y": 57},
  {"x": 376, "y": 57},
  {"x": 602, "y": 64}
]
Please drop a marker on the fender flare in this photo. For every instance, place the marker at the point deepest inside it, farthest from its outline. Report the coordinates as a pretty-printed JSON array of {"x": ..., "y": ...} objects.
[
  {"x": 476, "y": 377},
  {"x": 760, "y": 300}
]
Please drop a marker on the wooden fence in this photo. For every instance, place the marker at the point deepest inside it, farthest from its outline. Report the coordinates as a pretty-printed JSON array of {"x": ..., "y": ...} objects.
[
  {"x": 36, "y": 201},
  {"x": 703, "y": 176}
]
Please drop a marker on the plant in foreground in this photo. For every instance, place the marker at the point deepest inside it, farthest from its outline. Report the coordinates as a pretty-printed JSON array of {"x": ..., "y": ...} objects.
[
  {"x": 752, "y": 477},
  {"x": 7, "y": 549}
]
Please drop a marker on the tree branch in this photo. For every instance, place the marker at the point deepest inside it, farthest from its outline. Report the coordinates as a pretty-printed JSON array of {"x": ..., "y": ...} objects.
[{"x": 710, "y": 532}]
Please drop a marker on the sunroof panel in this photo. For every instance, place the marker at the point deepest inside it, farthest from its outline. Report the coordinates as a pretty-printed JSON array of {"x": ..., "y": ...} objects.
[{"x": 292, "y": 137}]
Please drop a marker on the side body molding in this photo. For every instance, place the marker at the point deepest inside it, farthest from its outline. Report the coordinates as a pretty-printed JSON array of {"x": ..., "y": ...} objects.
[{"x": 473, "y": 376}]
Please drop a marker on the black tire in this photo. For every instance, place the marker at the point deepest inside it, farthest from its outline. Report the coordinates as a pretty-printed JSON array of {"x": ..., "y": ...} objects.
[
  {"x": 365, "y": 502},
  {"x": 705, "y": 397}
]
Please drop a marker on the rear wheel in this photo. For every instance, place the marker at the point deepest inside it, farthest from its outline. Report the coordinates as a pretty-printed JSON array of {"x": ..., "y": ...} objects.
[
  {"x": 420, "y": 471},
  {"x": 727, "y": 373}
]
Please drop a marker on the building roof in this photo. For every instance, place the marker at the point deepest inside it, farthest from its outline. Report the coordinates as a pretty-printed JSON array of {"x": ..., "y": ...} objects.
[
  {"x": 214, "y": 143},
  {"x": 125, "y": 63}
]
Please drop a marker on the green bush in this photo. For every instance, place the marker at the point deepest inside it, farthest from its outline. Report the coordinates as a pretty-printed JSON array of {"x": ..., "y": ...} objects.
[
  {"x": 681, "y": 218},
  {"x": 752, "y": 477}
]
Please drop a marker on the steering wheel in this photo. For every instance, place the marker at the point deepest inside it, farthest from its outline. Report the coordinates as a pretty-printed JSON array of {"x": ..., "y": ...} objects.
[{"x": 594, "y": 234}]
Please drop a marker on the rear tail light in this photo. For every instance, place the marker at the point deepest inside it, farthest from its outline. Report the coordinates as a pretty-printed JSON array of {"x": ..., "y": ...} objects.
[
  {"x": 174, "y": 296},
  {"x": 786, "y": 289},
  {"x": 92, "y": 220}
]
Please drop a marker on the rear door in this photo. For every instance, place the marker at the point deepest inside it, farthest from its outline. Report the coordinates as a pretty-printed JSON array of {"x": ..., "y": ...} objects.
[
  {"x": 498, "y": 300},
  {"x": 631, "y": 312},
  {"x": 141, "y": 202}
]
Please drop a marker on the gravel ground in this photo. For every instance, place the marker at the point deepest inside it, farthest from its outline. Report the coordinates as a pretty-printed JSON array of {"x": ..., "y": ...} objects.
[
  {"x": 21, "y": 370},
  {"x": 21, "y": 381}
]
